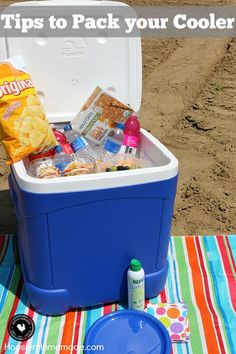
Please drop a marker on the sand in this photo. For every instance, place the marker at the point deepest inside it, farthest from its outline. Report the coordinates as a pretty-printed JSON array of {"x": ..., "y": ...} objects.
[{"x": 189, "y": 88}]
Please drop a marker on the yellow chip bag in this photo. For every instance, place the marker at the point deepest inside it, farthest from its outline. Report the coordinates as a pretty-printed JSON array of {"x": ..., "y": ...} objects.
[{"x": 24, "y": 128}]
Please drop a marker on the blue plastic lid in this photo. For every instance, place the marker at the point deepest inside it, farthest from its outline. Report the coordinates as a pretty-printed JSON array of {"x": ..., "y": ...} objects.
[
  {"x": 120, "y": 125},
  {"x": 58, "y": 148},
  {"x": 67, "y": 127},
  {"x": 128, "y": 331}
]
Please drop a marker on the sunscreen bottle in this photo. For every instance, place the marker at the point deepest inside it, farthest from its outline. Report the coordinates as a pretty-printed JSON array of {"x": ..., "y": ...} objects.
[{"x": 135, "y": 279}]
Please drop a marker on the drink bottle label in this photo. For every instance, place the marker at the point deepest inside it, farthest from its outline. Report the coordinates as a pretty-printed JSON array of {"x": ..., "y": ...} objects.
[
  {"x": 128, "y": 150},
  {"x": 84, "y": 140},
  {"x": 67, "y": 148},
  {"x": 111, "y": 146},
  {"x": 131, "y": 141},
  {"x": 78, "y": 144},
  {"x": 61, "y": 166}
]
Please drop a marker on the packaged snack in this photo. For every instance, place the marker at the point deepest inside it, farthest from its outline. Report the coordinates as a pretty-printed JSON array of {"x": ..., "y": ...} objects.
[
  {"x": 123, "y": 162},
  {"x": 99, "y": 115},
  {"x": 24, "y": 128},
  {"x": 81, "y": 166},
  {"x": 43, "y": 168}
]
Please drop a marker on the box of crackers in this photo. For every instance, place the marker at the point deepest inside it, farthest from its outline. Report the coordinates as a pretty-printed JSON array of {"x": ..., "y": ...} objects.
[{"x": 99, "y": 115}]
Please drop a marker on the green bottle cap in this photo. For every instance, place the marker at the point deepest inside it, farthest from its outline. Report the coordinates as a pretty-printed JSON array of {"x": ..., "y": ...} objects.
[{"x": 135, "y": 265}]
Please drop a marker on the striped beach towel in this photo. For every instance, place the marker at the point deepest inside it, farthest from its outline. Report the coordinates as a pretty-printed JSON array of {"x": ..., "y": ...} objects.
[{"x": 202, "y": 273}]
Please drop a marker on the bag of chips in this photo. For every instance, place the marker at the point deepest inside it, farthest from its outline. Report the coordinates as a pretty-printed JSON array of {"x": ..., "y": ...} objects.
[{"x": 24, "y": 129}]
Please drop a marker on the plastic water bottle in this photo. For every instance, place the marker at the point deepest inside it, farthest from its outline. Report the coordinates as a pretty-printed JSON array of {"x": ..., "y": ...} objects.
[
  {"x": 131, "y": 135},
  {"x": 136, "y": 289},
  {"x": 113, "y": 142},
  {"x": 61, "y": 160},
  {"x": 78, "y": 143}
]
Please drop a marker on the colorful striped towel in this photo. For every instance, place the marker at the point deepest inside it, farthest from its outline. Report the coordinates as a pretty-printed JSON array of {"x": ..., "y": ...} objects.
[{"x": 202, "y": 274}]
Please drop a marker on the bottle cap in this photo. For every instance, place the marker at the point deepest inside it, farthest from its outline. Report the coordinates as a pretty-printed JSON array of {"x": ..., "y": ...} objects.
[
  {"x": 67, "y": 127},
  {"x": 135, "y": 265},
  {"x": 135, "y": 115},
  {"x": 120, "y": 125},
  {"x": 58, "y": 148}
]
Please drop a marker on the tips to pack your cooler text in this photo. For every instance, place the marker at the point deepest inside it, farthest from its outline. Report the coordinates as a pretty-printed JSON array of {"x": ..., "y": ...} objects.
[{"x": 167, "y": 21}]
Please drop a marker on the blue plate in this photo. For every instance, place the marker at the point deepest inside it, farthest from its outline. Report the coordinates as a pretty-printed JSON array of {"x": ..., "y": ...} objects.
[{"x": 127, "y": 332}]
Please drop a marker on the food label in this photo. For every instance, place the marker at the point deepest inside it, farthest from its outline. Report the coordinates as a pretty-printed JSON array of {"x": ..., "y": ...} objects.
[
  {"x": 10, "y": 89},
  {"x": 99, "y": 116}
]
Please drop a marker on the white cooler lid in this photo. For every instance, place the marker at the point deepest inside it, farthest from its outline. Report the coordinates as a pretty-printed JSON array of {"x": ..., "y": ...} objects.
[{"x": 65, "y": 71}]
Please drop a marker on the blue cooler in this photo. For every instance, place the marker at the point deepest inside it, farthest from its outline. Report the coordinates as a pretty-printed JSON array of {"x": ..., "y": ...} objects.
[{"x": 77, "y": 235}]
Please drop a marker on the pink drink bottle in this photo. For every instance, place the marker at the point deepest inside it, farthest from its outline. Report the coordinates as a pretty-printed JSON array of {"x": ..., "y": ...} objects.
[
  {"x": 131, "y": 135},
  {"x": 61, "y": 139}
]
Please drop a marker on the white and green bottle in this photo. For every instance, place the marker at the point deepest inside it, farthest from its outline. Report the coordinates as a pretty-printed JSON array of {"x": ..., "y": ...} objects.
[{"x": 136, "y": 286}]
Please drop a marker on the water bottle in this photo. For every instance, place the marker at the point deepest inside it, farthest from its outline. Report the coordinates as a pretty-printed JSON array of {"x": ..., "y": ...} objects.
[
  {"x": 61, "y": 160},
  {"x": 131, "y": 135},
  {"x": 113, "y": 142},
  {"x": 78, "y": 143}
]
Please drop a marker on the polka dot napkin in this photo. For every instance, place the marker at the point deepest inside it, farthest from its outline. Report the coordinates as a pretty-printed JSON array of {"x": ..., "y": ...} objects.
[{"x": 174, "y": 317}]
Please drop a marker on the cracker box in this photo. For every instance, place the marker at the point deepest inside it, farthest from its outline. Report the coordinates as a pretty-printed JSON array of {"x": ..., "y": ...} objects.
[{"x": 99, "y": 115}]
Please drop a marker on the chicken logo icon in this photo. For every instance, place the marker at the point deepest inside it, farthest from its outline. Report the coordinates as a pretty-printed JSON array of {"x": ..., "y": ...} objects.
[{"x": 21, "y": 327}]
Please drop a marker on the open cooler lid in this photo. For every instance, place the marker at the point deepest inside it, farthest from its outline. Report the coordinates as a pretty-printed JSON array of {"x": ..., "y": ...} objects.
[{"x": 65, "y": 71}]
